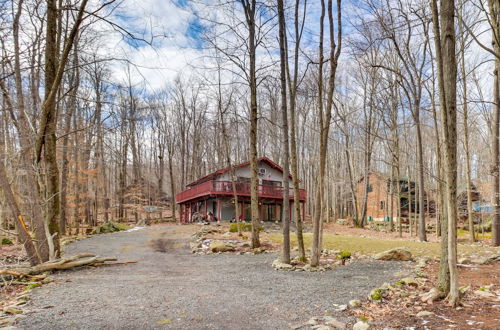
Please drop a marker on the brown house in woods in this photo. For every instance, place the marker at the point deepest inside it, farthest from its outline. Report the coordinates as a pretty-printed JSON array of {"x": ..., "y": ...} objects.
[
  {"x": 380, "y": 199},
  {"x": 214, "y": 193}
]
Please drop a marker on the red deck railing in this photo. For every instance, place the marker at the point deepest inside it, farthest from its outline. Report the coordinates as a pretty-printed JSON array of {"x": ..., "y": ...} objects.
[{"x": 226, "y": 188}]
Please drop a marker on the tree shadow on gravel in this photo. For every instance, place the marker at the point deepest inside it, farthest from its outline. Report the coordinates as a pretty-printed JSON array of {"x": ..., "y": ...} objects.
[{"x": 165, "y": 245}]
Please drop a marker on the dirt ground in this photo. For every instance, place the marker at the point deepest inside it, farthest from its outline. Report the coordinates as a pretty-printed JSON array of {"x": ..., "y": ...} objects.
[
  {"x": 475, "y": 312},
  {"x": 180, "y": 290}
]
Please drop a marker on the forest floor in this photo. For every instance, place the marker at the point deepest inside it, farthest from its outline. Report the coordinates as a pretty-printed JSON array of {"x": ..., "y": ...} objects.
[{"x": 180, "y": 290}]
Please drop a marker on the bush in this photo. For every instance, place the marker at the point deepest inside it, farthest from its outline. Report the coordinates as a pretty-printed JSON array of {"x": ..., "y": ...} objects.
[
  {"x": 376, "y": 294},
  {"x": 6, "y": 241},
  {"x": 233, "y": 228},
  {"x": 344, "y": 255},
  {"x": 110, "y": 227}
]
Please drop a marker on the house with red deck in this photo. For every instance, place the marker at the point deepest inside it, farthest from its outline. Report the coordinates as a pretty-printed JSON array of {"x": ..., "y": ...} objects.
[{"x": 214, "y": 193}]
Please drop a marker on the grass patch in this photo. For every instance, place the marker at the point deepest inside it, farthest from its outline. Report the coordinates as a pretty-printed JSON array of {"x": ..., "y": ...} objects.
[
  {"x": 246, "y": 227},
  {"x": 462, "y": 233},
  {"x": 370, "y": 245}
]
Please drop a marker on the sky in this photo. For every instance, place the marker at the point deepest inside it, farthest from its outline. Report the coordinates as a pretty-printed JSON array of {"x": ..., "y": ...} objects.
[
  {"x": 176, "y": 47},
  {"x": 171, "y": 47}
]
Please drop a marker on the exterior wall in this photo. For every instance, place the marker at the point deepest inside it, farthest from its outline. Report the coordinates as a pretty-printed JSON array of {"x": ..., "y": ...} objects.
[
  {"x": 227, "y": 211},
  {"x": 271, "y": 174},
  {"x": 376, "y": 197}
]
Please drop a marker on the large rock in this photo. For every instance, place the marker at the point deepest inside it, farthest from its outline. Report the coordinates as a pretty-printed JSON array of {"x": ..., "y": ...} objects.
[
  {"x": 278, "y": 265},
  {"x": 219, "y": 246},
  {"x": 360, "y": 325},
  {"x": 401, "y": 254},
  {"x": 195, "y": 246},
  {"x": 424, "y": 314},
  {"x": 484, "y": 293}
]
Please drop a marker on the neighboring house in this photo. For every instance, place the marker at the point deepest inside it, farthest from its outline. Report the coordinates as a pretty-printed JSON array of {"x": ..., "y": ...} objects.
[
  {"x": 379, "y": 199},
  {"x": 214, "y": 193},
  {"x": 463, "y": 212}
]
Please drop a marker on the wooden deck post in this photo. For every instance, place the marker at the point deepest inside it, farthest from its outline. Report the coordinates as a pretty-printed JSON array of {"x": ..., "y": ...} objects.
[
  {"x": 303, "y": 212},
  {"x": 218, "y": 209},
  {"x": 190, "y": 214},
  {"x": 276, "y": 216},
  {"x": 205, "y": 209},
  {"x": 242, "y": 211}
]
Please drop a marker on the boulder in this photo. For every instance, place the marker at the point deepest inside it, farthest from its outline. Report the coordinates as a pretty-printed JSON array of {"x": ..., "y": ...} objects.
[
  {"x": 259, "y": 250},
  {"x": 422, "y": 262},
  {"x": 278, "y": 265},
  {"x": 430, "y": 296},
  {"x": 321, "y": 327},
  {"x": 401, "y": 254},
  {"x": 219, "y": 246},
  {"x": 410, "y": 281},
  {"x": 360, "y": 325},
  {"x": 424, "y": 314},
  {"x": 336, "y": 324},
  {"x": 464, "y": 261},
  {"x": 484, "y": 293},
  {"x": 339, "y": 308},
  {"x": 195, "y": 245}
]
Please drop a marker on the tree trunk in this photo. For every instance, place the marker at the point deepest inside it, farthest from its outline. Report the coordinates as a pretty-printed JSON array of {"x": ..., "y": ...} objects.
[
  {"x": 325, "y": 119},
  {"x": 285, "y": 252},
  {"x": 449, "y": 125},
  {"x": 293, "y": 134},
  {"x": 250, "y": 10},
  {"x": 422, "y": 235},
  {"x": 470, "y": 216},
  {"x": 494, "y": 7}
]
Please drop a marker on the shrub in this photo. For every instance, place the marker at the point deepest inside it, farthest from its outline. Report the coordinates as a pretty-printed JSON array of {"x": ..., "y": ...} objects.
[
  {"x": 6, "y": 241},
  {"x": 376, "y": 294},
  {"x": 344, "y": 255},
  {"x": 110, "y": 227}
]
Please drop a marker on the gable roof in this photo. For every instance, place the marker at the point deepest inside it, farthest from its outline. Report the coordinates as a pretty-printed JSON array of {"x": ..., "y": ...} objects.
[{"x": 215, "y": 174}]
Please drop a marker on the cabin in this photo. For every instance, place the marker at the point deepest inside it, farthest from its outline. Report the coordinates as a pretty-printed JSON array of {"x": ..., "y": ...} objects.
[
  {"x": 378, "y": 206},
  {"x": 213, "y": 193}
]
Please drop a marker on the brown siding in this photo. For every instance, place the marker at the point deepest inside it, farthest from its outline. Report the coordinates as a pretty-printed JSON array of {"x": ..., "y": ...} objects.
[{"x": 378, "y": 194}]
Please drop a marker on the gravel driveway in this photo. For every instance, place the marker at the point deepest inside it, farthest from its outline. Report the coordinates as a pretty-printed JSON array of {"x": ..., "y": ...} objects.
[{"x": 179, "y": 290}]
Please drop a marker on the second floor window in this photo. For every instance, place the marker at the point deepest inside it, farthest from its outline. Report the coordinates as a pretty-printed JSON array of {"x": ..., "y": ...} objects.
[{"x": 271, "y": 183}]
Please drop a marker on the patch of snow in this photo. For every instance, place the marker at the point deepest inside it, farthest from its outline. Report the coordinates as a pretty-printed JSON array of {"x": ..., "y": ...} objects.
[{"x": 134, "y": 229}]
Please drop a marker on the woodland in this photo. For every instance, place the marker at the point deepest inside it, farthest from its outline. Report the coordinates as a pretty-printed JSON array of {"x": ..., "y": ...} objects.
[{"x": 329, "y": 90}]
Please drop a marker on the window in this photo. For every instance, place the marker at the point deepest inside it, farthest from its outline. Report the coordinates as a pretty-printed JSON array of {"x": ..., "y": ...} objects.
[
  {"x": 370, "y": 188},
  {"x": 382, "y": 205},
  {"x": 271, "y": 183}
]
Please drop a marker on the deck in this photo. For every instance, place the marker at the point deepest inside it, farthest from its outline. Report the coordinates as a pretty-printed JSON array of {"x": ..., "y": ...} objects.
[{"x": 225, "y": 188}]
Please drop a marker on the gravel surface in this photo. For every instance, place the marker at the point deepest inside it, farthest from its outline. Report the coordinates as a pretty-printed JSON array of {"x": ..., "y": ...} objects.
[{"x": 179, "y": 290}]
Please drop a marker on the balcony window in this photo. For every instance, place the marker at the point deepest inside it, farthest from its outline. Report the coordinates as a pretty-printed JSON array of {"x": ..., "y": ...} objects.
[{"x": 271, "y": 183}]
